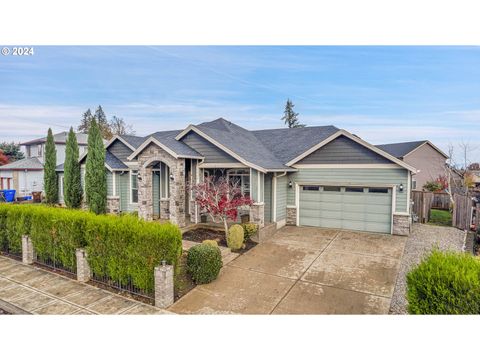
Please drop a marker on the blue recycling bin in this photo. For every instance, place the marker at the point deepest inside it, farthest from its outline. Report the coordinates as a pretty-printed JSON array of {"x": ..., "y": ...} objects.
[{"x": 9, "y": 195}]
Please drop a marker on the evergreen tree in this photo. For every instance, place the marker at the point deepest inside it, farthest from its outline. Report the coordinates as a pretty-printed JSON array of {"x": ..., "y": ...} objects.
[
  {"x": 103, "y": 124},
  {"x": 95, "y": 175},
  {"x": 85, "y": 122},
  {"x": 290, "y": 117},
  {"x": 11, "y": 151},
  {"x": 72, "y": 188},
  {"x": 49, "y": 174}
]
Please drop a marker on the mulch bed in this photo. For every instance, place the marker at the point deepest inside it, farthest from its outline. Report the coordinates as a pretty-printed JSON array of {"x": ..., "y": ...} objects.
[{"x": 198, "y": 235}]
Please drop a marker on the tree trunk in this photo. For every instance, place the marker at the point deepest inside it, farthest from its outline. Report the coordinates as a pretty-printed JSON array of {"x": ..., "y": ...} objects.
[{"x": 225, "y": 225}]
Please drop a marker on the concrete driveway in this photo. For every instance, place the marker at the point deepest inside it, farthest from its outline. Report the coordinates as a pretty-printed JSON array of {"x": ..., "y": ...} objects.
[{"x": 304, "y": 270}]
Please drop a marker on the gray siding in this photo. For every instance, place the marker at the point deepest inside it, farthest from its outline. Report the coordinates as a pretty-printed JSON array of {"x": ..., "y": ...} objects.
[
  {"x": 120, "y": 150},
  {"x": 212, "y": 153},
  {"x": 282, "y": 184},
  {"x": 109, "y": 183},
  {"x": 430, "y": 163},
  {"x": 353, "y": 176},
  {"x": 268, "y": 197},
  {"x": 254, "y": 185},
  {"x": 123, "y": 184},
  {"x": 342, "y": 150}
]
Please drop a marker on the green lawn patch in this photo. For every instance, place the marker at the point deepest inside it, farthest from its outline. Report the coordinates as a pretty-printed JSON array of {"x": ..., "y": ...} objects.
[{"x": 440, "y": 217}]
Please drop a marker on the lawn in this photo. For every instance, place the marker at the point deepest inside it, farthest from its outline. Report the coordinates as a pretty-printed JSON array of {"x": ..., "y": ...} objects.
[{"x": 440, "y": 217}]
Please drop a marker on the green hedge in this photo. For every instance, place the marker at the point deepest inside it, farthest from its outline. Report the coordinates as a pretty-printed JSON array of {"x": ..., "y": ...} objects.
[
  {"x": 445, "y": 283},
  {"x": 120, "y": 247}
]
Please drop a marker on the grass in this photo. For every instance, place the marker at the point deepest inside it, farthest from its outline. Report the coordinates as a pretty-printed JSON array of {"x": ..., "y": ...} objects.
[{"x": 440, "y": 217}]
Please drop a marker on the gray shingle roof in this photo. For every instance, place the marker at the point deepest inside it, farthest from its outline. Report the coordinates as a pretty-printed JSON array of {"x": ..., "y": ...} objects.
[
  {"x": 113, "y": 162},
  {"x": 167, "y": 138},
  {"x": 135, "y": 141},
  {"x": 28, "y": 163},
  {"x": 287, "y": 144},
  {"x": 60, "y": 167},
  {"x": 60, "y": 138},
  {"x": 399, "y": 150},
  {"x": 242, "y": 142}
]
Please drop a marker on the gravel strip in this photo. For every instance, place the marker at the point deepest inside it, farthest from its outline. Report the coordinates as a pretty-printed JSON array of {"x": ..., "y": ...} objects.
[{"x": 422, "y": 239}]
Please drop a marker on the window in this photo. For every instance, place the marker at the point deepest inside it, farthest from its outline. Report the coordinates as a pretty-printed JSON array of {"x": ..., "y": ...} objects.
[
  {"x": 354, "y": 189},
  {"x": 378, "y": 190},
  {"x": 39, "y": 151},
  {"x": 331, "y": 188},
  {"x": 134, "y": 186},
  {"x": 311, "y": 188},
  {"x": 414, "y": 184},
  {"x": 242, "y": 177}
]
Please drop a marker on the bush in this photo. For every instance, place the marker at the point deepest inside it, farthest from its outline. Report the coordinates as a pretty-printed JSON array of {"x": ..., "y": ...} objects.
[
  {"x": 123, "y": 248},
  {"x": 204, "y": 263},
  {"x": 249, "y": 230},
  {"x": 445, "y": 283},
  {"x": 210, "y": 242},
  {"x": 235, "y": 237}
]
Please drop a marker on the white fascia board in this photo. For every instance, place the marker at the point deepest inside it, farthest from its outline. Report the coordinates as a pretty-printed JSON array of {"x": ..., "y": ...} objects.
[{"x": 147, "y": 142}]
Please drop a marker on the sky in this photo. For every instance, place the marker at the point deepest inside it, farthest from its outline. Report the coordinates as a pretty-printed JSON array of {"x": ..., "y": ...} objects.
[{"x": 382, "y": 94}]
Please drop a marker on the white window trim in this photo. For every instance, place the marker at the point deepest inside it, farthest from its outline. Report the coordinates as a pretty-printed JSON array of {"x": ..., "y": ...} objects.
[
  {"x": 114, "y": 184},
  {"x": 61, "y": 187},
  {"x": 233, "y": 172},
  {"x": 131, "y": 172}
]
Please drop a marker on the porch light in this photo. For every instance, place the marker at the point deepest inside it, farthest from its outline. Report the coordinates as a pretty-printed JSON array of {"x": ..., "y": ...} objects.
[
  {"x": 400, "y": 188},
  {"x": 171, "y": 177},
  {"x": 139, "y": 177},
  {"x": 290, "y": 184}
]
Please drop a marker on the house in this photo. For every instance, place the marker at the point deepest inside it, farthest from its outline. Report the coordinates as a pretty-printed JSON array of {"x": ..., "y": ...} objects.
[
  {"x": 314, "y": 176},
  {"x": 26, "y": 175},
  {"x": 428, "y": 159}
]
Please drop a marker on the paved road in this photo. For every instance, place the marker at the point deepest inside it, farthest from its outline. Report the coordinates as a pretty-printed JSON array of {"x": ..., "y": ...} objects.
[
  {"x": 303, "y": 270},
  {"x": 37, "y": 291}
]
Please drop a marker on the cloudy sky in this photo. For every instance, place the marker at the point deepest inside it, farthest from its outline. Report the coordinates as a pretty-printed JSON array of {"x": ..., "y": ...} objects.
[{"x": 383, "y": 94}]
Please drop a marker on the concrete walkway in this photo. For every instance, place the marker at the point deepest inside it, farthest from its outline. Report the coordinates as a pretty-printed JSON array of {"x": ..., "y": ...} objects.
[
  {"x": 303, "y": 270},
  {"x": 27, "y": 289}
]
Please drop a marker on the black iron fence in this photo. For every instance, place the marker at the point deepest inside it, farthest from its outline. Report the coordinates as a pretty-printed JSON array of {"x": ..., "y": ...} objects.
[
  {"x": 54, "y": 264},
  {"x": 5, "y": 249},
  {"x": 127, "y": 287}
]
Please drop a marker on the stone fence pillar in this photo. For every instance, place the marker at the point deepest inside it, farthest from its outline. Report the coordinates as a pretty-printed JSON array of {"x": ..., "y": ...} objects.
[
  {"x": 28, "y": 254},
  {"x": 83, "y": 269},
  {"x": 163, "y": 285},
  {"x": 257, "y": 214}
]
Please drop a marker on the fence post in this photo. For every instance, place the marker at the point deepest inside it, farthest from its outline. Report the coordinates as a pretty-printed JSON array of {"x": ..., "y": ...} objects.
[
  {"x": 28, "y": 253},
  {"x": 163, "y": 285},
  {"x": 83, "y": 269},
  {"x": 477, "y": 217}
]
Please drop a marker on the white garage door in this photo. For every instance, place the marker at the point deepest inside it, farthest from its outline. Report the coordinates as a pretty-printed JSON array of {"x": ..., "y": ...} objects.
[{"x": 354, "y": 208}]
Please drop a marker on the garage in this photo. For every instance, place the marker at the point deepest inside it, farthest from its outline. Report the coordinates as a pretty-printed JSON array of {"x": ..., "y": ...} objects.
[{"x": 346, "y": 207}]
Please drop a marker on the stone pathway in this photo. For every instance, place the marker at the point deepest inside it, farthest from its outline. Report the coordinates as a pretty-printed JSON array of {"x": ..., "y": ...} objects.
[{"x": 27, "y": 289}]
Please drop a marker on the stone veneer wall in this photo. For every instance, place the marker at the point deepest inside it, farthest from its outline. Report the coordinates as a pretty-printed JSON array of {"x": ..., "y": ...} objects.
[
  {"x": 401, "y": 224},
  {"x": 291, "y": 216},
  {"x": 164, "y": 209},
  {"x": 257, "y": 214},
  {"x": 113, "y": 204},
  {"x": 176, "y": 208}
]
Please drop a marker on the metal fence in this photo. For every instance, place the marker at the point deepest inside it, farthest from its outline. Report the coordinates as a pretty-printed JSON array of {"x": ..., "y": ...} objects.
[
  {"x": 54, "y": 264},
  {"x": 5, "y": 249},
  {"x": 127, "y": 286}
]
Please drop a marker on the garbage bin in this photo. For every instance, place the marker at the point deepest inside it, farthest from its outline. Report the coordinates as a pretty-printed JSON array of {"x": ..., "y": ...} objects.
[
  {"x": 9, "y": 195},
  {"x": 37, "y": 196}
]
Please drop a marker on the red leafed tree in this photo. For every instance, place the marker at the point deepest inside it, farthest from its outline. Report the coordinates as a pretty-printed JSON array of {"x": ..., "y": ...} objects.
[
  {"x": 220, "y": 198},
  {"x": 3, "y": 158},
  {"x": 443, "y": 182}
]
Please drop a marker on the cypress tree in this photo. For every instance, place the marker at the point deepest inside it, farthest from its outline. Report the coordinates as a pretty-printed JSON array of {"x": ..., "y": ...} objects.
[
  {"x": 49, "y": 175},
  {"x": 95, "y": 175},
  {"x": 290, "y": 117},
  {"x": 72, "y": 188}
]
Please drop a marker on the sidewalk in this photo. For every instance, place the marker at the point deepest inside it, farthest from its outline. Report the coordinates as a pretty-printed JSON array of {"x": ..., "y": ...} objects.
[{"x": 27, "y": 289}]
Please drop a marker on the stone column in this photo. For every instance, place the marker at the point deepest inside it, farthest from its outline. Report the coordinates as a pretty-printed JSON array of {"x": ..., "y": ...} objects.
[
  {"x": 163, "y": 286},
  {"x": 113, "y": 204},
  {"x": 165, "y": 209},
  {"x": 83, "y": 269},
  {"x": 145, "y": 193},
  {"x": 257, "y": 214},
  {"x": 28, "y": 253},
  {"x": 401, "y": 225},
  {"x": 177, "y": 193},
  {"x": 291, "y": 215}
]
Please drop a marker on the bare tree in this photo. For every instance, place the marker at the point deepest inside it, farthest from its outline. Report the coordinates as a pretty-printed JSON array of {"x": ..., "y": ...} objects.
[{"x": 119, "y": 127}]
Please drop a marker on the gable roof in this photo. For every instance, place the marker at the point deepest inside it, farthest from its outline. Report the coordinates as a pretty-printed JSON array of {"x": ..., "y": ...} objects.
[
  {"x": 114, "y": 163},
  {"x": 238, "y": 142},
  {"x": 24, "y": 164},
  {"x": 400, "y": 150},
  {"x": 60, "y": 138}
]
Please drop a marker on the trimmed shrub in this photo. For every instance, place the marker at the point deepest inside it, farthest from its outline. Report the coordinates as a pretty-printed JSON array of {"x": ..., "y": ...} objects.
[
  {"x": 235, "y": 237},
  {"x": 249, "y": 230},
  {"x": 210, "y": 242},
  {"x": 445, "y": 283},
  {"x": 204, "y": 263}
]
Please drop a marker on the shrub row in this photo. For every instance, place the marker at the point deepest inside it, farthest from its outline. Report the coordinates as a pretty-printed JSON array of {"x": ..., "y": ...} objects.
[
  {"x": 445, "y": 283},
  {"x": 121, "y": 247}
]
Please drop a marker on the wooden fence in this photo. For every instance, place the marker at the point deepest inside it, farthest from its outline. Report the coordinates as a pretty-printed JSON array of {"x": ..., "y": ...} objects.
[
  {"x": 462, "y": 211},
  {"x": 422, "y": 203},
  {"x": 441, "y": 201}
]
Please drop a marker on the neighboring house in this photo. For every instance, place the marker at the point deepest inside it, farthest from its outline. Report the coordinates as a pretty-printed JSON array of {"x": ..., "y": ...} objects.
[
  {"x": 428, "y": 159},
  {"x": 26, "y": 175},
  {"x": 313, "y": 176}
]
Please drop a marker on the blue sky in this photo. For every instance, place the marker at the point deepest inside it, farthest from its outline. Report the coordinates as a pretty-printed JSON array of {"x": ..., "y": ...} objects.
[{"x": 383, "y": 94}]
